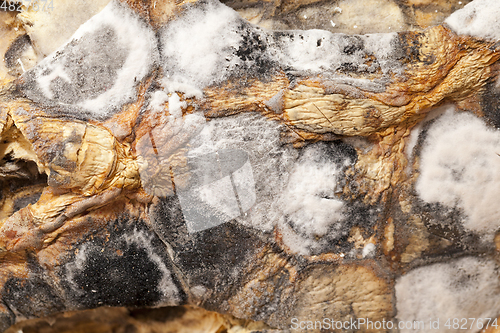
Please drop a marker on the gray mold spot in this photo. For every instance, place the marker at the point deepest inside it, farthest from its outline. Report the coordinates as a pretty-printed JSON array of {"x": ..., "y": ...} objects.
[{"x": 98, "y": 70}]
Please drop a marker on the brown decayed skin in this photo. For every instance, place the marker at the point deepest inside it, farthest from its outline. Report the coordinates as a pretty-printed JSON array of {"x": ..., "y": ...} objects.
[
  {"x": 122, "y": 124},
  {"x": 101, "y": 159},
  {"x": 345, "y": 292},
  {"x": 441, "y": 66},
  {"x": 88, "y": 168},
  {"x": 157, "y": 13},
  {"x": 117, "y": 319},
  {"x": 269, "y": 272},
  {"x": 97, "y": 157}
]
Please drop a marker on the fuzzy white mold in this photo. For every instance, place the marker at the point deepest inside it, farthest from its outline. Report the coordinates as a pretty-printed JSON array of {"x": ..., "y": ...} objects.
[
  {"x": 464, "y": 288},
  {"x": 197, "y": 48},
  {"x": 478, "y": 18},
  {"x": 460, "y": 168}
]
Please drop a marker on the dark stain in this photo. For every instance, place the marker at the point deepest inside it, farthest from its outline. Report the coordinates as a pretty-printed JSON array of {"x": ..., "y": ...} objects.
[
  {"x": 279, "y": 35},
  {"x": 130, "y": 279},
  {"x": 407, "y": 46},
  {"x": 119, "y": 270},
  {"x": 15, "y": 50},
  {"x": 20, "y": 203},
  {"x": 19, "y": 174},
  {"x": 57, "y": 180},
  {"x": 348, "y": 67},
  {"x": 354, "y": 44},
  {"x": 490, "y": 103},
  {"x": 32, "y": 297},
  {"x": 213, "y": 257},
  {"x": 252, "y": 51}
]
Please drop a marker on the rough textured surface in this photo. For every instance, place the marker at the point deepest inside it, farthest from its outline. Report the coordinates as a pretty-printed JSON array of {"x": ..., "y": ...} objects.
[
  {"x": 183, "y": 319},
  {"x": 173, "y": 153}
]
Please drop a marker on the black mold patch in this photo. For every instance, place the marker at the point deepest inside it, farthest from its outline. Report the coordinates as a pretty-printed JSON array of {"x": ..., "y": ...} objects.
[
  {"x": 490, "y": 103},
  {"x": 354, "y": 44},
  {"x": 443, "y": 223},
  {"x": 283, "y": 35},
  {"x": 214, "y": 257},
  {"x": 348, "y": 67},
  {"x": 253, "y": 51},
  {"x": 33, "y": 297},
  {"x": 125, "y": 270},
  {"x": 408, "y": 46},
  {"x": 116, "y": 280}
]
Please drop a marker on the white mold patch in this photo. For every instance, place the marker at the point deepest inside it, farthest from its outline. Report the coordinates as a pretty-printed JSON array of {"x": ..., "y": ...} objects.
[
  {"x": 460, "y": 168},
  {"x": 98, "y": 69},
  {"x": 197, "y": 49},
  {"x": 465, "y": 288},
  {"x": 158, "y": 100},
  {"x": 175, "y": 106},
  {"x": 270, "y": 161},
  {"x": 478, "y": 18},
  {"x": 210, "y": 41},
  {"x": 320, "y": 51},
  {"x": 368, "y": 250},
  {"x": 310, "y": 201},
  {"x": 311, "y": 214}
]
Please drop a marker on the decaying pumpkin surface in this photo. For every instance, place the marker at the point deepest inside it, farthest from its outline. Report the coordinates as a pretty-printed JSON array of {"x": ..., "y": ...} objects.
[{"x": 173, "y": 153}]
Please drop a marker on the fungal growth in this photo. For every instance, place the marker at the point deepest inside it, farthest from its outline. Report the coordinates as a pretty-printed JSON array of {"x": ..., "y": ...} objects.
[{"x": 190, "y": 157}]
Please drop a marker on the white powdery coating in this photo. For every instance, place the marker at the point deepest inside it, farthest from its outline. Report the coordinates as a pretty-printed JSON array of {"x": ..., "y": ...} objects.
[
  {"x": 189, "y": 90},
  {"x": 478, "y": 18},
  {"x": 368, "y": 250},
  {"x": 303, "y": 54},
  {"x": 158, "y": 100},
  {"x": 466, "y": 288},
  {"x": 460, "y": 167},
  {"x": 197, "y": 48},
  {"x": 132, "y": 34},
  {"x": 412, "y": 140},
  {"x": 308, "y": 212},
  {"x": 304, "y": 200},
  {"x": 44, "y": 81},
  {"x": 382, "y": 46},
  {"x": 270, "y": 161},
  {"x": 175, "y": 106},
  {"x": 317, "y": 51}
]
